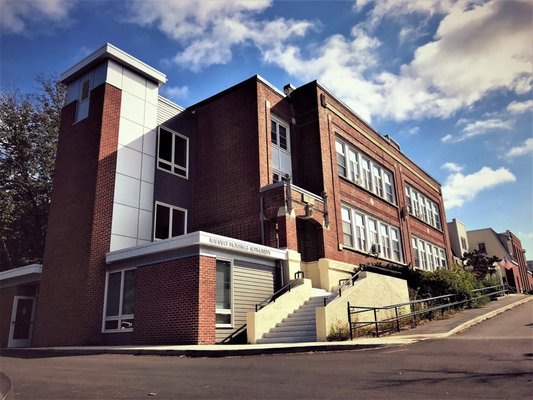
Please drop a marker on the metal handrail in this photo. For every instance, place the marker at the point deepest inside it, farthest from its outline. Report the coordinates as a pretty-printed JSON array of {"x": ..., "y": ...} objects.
[
  {"x": 448, "y": 300},
  {"x": 287, "y": 287},
  {"x": 338, "y": 291},
  {"x": 230, "y": 337}
]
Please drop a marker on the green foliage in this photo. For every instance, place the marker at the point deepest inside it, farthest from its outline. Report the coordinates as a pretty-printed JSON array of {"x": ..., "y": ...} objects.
[
  {"x": 339, "y": 332},
  {"x": 29, "y": 125},
  {"x": 444, "y": 281},
  {"x": 481, "y": 264}
]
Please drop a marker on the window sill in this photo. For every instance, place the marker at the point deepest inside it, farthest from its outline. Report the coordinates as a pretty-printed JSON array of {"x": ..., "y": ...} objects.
[
  {"x": 118, "y": 331},
  {"x": 367, "y": 191},
  {"x": 224, "y": 326}
]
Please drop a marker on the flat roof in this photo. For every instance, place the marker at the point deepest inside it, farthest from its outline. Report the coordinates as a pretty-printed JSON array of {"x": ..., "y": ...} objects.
[
  {"x": 108, "y": 51},
  {"x": 16, "y": 276}
]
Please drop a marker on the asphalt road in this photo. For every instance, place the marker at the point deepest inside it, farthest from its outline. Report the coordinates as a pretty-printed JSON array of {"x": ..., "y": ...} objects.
[{"x": 493, "y": 360}]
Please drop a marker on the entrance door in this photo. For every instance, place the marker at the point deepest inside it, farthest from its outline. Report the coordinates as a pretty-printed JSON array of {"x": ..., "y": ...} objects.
[{"x": 21, "y": 321}]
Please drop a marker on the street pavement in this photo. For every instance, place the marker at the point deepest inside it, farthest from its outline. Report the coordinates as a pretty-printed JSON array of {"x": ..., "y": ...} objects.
[{"x": 492, "y": 360}]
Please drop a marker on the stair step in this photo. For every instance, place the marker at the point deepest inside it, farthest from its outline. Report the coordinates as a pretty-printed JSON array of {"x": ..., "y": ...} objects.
[
  {"x": 282, "y": 334},
  {"x": 288, "y": 339},
  {"x": 293, "y": 328}
]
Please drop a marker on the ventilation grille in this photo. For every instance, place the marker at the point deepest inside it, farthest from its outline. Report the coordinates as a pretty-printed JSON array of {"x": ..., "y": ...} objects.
[{"x": 85, "y": 90}]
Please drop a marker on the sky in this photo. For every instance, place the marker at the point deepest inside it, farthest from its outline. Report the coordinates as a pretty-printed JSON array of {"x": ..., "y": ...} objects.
[{"x": 450, "y": 80}]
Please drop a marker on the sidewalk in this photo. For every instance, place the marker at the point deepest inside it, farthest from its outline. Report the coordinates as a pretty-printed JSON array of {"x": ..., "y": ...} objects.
[{"x": 430, "y": 330}]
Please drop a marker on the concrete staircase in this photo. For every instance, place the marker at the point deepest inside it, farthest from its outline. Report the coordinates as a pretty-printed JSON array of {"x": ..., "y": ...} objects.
[{"x": 300, "y": 325}]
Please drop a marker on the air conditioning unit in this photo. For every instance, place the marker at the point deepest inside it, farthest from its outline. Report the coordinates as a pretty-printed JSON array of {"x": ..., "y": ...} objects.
[
  {"x": 359, "y": 182},
  {"x": 375, "y": 249},
  {"x": 404, "y": 212}
]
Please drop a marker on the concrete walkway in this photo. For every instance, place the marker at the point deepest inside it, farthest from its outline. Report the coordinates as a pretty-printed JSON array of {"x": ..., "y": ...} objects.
[{"x": 430, "y": 330}]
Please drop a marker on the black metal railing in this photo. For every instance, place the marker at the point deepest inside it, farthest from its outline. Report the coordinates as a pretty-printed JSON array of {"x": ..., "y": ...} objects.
[
  {"x": 232, "y": 337},
  {"x": 343, "y": 285},
  {"x": 423, "y": 307},
  {"x": 287, "y": 288}
]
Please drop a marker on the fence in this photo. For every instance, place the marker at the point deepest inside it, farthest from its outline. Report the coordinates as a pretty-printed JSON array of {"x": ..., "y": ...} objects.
[{"x": 389, "y": 317}]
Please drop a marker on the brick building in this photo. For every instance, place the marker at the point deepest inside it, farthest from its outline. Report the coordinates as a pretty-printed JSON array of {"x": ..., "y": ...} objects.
[{"x": 168, "y": 225}]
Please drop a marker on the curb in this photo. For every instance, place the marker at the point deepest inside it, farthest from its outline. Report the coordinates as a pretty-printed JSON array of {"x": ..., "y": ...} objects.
[
  {"x": 477, "y": 320},
  {"x": 196, "y": 353},
  {"x": 5, "y": 386}
]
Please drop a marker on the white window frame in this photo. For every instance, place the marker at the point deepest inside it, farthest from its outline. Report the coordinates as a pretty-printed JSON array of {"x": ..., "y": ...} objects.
[
  {"x": 276, "y": 172},
  {"x": 120, "y": 317},
  {"x": 232, "y": 302},
  {"x": 383, "y": 241},
  {"x": 423, "y": 208},
  {"x": 172, "y": 164},
  {"x": 364, "y": 171},
  {"x": 170, "y": 216},
  {"x": 431, "y": 256}
]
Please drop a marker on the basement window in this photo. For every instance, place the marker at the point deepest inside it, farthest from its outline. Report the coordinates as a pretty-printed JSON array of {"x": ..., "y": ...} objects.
[
  {"x": 170, "y": 221},
  {"x": 173, "y": 152},
  {"x": 119, "y": 301}
]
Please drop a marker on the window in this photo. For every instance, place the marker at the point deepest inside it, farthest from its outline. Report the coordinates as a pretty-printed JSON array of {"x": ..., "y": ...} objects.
[
  {"x": 481, "y": 247},
  {"x": 347, "y": 227},
  {"x": 170, "y": 221},
  {"x": 363, "y": 232},
  {"x": 120, "y": 301},
  {"x": 464, "y": 246},
  {"x": 365, "y": 172},
  {"x": 422, "y": 207},
  {"x": 223, "y": 294},
  {"x": 173, "y": 152},
  {"x": 281, "y": 149},
  {"x": 427, "y": 255}
]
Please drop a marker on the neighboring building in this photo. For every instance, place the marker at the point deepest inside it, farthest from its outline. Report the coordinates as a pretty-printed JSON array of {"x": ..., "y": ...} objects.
[
  {"x": 167, "y": 225},
  {"x": 458, "y": 239},
  {"x": 508, "y": 248}
]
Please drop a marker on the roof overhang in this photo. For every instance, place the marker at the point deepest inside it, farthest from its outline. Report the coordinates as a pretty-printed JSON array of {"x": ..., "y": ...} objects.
[
  {"x": 203, "y": 240},
  {"x": 18, "y": 276},
  {"x": 108, "y": 51}
]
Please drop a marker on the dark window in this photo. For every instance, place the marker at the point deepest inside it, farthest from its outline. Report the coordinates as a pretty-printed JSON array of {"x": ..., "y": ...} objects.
[
  {"x": 481, "y": 247},
  {"x": 169, "y": 221},
  {"x": 172, "y": 152}
]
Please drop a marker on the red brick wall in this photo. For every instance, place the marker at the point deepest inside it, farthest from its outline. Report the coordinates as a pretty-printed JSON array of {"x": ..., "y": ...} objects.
[
  {"x": 519, "y": 257},
  {"x": 326, "y": 125},
  {"x": 175, "y": 302},
  {"x": 70, "y": 306},
  {"x": 226, "y": 176}
]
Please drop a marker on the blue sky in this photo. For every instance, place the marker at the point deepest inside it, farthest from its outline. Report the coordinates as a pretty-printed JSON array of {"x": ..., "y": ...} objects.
[{"x": 450, "y": 80}]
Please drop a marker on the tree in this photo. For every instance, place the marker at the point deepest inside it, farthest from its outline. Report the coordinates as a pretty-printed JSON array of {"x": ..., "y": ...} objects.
[
  {"x": 29, "y": 125},
  {"x": 481, "y": 264}
]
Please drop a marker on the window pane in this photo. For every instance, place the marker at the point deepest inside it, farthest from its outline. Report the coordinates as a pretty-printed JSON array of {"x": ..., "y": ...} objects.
[
  {"x": 223, "y": 319},
  {"x": 180, "y": 171},
  {"x": 128, "y": 299},
  {"x": 113, "y": 294},
  {"x": 178, "y": 222},
  {"x": 354, "y": 165},
  {"x": 162, "y": 221},
  {"x": 165, "y": 145},
  {"x": 360, "y": 231},
  {"x": 282, "y": 137},
  {"x": 341, "y": 159},
  {"x": 223, "y": 286},
  {"x": 166, "y": 166},
  {"x": 111, "y": 324},
  {"x": 180, "y": 151},
  {"x": 347, "y": 227},
  {"x": 274, "y": 132}
]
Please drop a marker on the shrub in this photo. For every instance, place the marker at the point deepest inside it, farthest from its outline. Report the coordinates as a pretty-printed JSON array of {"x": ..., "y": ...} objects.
[{"x": 339, "y": 331}]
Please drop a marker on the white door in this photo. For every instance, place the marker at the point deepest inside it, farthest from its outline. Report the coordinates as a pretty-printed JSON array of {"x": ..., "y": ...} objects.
[{"x": 21, "y": 321}]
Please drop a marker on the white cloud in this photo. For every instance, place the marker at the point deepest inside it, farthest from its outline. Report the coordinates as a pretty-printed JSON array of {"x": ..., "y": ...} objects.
[
  {"x": 525, "y": 148},
  {"x": 477, "y": 128},
  {"x": 175, "y": 92},
  {"x": 517, "y": 107},
  {"x": 17, "y": 15},
  {"x": 413, "y": 131},
  {"x": 452, "y": 167},
  {"x": 209, "y": 30},
  {"x": 460, "y": 188}
]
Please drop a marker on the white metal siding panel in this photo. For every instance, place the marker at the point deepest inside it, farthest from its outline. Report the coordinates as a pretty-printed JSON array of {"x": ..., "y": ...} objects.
[{"x": 250, "y": 287}]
